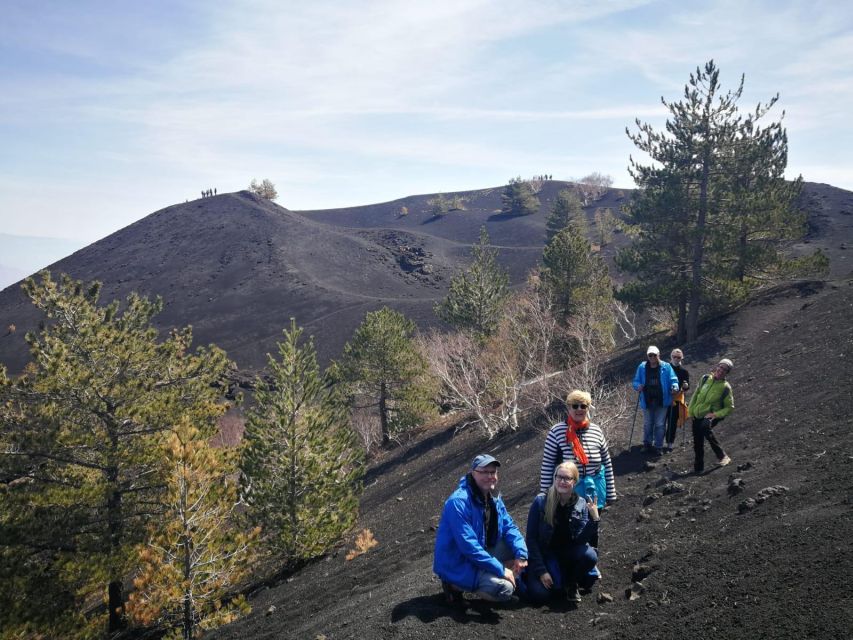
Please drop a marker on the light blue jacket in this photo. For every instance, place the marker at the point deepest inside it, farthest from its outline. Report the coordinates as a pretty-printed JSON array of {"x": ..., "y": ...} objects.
[
  {"x": 460, "y": 543},
  {"x": 668, "y": 382}
]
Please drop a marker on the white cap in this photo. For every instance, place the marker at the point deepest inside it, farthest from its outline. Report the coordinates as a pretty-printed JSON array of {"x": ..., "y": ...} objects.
[{"x": 653, "y": 350}]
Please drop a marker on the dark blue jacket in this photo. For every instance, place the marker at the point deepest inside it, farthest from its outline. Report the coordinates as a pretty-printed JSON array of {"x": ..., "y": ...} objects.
[
  {"x": 540, "y": 534},
  {"x": 460, "y": 543}
]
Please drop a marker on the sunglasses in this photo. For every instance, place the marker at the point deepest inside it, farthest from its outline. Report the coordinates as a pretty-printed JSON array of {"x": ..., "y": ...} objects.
[{"x": 579, "y": 406}]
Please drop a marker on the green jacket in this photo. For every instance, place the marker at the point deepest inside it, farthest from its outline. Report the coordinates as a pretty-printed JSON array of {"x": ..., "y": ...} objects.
[{"x": 712, "y": 395}]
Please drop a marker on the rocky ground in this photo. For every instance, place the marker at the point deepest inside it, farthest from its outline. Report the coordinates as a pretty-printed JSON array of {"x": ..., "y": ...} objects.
[{"x": 758, "y": 549}]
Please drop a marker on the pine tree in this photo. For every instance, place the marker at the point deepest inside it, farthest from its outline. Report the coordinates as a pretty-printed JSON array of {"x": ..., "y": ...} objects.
[
  {"x": 477, "y": 294},
  {"x": 717, "y": 177},
  {"x": 195, "y": 553},
  {"x": 763, "y": 216},
  {"x": 567, "y": 210},
  {"x": 518, "y": 199},
  {"x": 80, "y": 456},
  {"x": 660, "y": 250},
  {"x": 577, "y": 279},
  {"x": 605, "y": 223},
  {"x": 383, "y": 368},
  {"x": 301, "y": 465}
]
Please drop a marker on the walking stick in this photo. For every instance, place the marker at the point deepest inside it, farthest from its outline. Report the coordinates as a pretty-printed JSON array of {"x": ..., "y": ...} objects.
[{"x": 634, "y": 421}]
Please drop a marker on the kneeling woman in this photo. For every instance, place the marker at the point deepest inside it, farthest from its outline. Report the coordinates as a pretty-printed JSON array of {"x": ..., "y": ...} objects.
[{"x": 560, "y": 526}]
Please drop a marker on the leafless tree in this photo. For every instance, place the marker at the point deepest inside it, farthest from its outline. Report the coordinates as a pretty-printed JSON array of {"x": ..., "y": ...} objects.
[
  {"x": 594, "y": 186},
  {"x": 264, "y": 189},
  {"x": 500, "y": 378},
  {"x": 626, "y": 320},
  {"x": 586, "y": 372},
  {"x": 366, "y": 424}
]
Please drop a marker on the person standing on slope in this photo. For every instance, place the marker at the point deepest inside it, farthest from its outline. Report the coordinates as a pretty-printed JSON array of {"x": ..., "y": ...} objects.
[
  {"x": 711, "y": 402},
  {"x": 678, "y": 410},
  {"x": 655, "y": 381}
]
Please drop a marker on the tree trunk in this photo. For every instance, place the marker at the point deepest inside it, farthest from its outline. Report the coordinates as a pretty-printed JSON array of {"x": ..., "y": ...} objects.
[
  {"x": 115, "y": 590},
  {"x": 681, "y": 332},
  {"x": 699, "y": 240},
  {"x": 188, "y": 608},
  {"x": 383, "y": 413},
  {"x": 116, "y": 605}
]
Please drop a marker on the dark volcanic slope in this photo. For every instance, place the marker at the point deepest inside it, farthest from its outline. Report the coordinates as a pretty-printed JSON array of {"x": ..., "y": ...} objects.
[
  {"x": 237, "y": 267},
  {"x": 778, "y": 570}
]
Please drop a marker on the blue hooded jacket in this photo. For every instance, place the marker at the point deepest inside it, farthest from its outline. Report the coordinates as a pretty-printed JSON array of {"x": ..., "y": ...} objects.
[
  {"x": 460, "y": 543},
  {"x": 668, "y": 382}
]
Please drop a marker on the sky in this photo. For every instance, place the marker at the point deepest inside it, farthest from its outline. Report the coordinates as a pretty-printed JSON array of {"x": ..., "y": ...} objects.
[{"x": 111, "y": 110}]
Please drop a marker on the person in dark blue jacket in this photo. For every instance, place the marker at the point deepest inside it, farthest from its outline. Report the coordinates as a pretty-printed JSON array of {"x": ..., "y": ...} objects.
[
  {"x": 478, "y": 548},
  {"x": 655, "y": 381},
  {"x": 560, "y": 526}
]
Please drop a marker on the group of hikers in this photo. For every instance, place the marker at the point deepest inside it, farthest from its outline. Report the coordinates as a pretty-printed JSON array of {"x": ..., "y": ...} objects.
[{"x": 478, "y": 547}]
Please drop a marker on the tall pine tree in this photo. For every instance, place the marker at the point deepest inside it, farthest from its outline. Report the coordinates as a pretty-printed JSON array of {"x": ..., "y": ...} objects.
[
  {"x": 713, "y": 212},
  {"x": 302, "y": 467},
  {"x": 477, "y": 294},
  {"x": 80, "y": 452},
  {"x": 567, "y": 210},
  {"x": 196, "y": 553},
  {"x": 577, "y": 281},
  {"x": 383, "y": 368}
]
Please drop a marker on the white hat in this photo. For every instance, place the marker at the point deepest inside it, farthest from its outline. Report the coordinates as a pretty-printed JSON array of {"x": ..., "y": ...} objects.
[
  {"x": 652, "y": 350},
  {"x": 728, "y": 363}
]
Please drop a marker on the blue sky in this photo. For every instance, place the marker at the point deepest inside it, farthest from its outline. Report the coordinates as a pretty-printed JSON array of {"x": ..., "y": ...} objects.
[{"x": 111, "y": 110}]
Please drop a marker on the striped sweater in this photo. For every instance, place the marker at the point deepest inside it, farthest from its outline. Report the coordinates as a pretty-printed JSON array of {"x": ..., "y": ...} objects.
[{"x": 558, "y": 449}]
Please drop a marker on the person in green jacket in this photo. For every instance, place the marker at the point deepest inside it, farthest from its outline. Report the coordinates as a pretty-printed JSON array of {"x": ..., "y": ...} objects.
[{"x": 711, "y": 402}]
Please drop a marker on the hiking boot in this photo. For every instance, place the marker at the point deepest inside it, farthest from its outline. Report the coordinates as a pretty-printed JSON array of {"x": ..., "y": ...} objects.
[
  {"x": 726, "y": 460},
  {"x": 452, "y": 595},
  {"x": 572, "y": 594},
  {"x": 647, "y": 448}
]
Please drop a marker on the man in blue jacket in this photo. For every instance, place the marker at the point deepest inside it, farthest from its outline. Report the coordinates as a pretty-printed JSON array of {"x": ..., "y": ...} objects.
[
  {"x": 655, "y": 381},
  {"x": 478, "y": 548}
]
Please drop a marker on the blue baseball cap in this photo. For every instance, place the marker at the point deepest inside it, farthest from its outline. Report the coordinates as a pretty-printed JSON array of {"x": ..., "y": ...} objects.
[{"x": 484, "y": 460}]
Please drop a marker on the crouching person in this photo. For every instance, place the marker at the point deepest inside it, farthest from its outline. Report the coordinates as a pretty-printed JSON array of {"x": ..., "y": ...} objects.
[
  {"x": 560, "y": 526},
  {"x": 478, "y": 548}
]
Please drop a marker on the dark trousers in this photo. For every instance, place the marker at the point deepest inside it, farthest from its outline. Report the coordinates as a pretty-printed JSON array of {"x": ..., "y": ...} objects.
[
  {"x": 671, "y": 425},
  {"x": 569, "y": 567},
  {"x": 703, "y": 429}
]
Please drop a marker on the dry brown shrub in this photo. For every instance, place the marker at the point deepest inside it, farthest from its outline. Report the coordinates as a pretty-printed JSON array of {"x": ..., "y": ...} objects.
[{"x": 364, "y": 542}]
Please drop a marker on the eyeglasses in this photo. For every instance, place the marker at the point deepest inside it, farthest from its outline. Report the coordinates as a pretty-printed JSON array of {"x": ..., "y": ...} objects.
[
  {"x": 579, "y": 405},
  {"x": 487, "y": 472},
  {"x": 652, "y": 355},
  {"x": 565, "y": 478}
]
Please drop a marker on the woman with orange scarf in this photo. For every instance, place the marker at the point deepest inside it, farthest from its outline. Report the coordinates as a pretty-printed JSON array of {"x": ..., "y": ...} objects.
[{"x": 580, "y": 441}]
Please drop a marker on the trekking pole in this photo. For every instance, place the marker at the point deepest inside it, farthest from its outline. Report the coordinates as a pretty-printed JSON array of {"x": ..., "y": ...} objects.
[{"x": 634, "y": 421}]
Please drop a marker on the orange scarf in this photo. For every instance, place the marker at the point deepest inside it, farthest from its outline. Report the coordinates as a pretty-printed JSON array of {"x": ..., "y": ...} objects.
[{"x": 572, "y": 439}]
